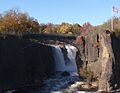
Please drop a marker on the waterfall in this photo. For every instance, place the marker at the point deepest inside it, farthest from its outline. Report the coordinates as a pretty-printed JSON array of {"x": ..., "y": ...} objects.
[
  {"x": 65, "y": 59},
  {"x": 71, "y": 64},
  {"x": 58, "y": 58}
]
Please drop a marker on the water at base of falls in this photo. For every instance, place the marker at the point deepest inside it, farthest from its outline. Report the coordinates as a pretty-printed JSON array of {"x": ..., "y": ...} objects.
[
  {"x": 56, "y": 84},
  {"x": 60, "y": 84},
  {"x": 65, "y": 59}
]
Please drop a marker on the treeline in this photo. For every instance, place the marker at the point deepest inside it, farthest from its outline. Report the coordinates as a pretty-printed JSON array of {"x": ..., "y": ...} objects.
[
  {"x": 16, "y": 22},
  {"x": 19, "y": 23}
]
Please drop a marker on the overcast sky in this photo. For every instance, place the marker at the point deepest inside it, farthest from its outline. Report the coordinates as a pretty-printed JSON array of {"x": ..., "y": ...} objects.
[{"x": 56, "y": 11}]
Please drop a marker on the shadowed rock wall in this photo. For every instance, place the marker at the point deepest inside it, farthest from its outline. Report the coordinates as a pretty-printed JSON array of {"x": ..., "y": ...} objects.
[{"x": 23, "y": 63}]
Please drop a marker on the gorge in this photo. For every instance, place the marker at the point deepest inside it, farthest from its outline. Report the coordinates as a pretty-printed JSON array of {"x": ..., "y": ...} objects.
[
  {"x": 93, "y": 56},
  {"x": 26, "y": 63}
]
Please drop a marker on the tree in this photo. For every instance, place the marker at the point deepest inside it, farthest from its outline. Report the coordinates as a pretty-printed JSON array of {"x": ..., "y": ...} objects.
[
  {"x": 42, "y": 28},
  {"x": 51, "y": 28},
  {"x": 48, "y": 28},
  {"x": 15, "y": 22},
  {"x": 34, "y": 26},
  {"x": 76, "y": 29},
  {"x": 87, "y": 27},
  {"x": 65, "y": 28}
]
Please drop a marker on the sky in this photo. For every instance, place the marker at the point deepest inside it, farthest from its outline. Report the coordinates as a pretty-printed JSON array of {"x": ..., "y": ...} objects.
[{"x": 57, "y": 11}]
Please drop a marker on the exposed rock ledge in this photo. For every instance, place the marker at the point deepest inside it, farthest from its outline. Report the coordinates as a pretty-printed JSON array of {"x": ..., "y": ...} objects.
[{"x": 100, "y": 59}]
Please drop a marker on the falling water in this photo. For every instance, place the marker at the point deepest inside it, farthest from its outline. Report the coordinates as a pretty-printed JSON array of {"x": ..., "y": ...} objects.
[
  {"x": 65, "y": 60},
  {"x": 58, "y": 58},
  {"x": 71, "y": 66}
]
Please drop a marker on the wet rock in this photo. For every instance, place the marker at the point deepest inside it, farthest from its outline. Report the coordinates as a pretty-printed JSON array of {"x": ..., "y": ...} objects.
[{"x": 65, "y": 73}]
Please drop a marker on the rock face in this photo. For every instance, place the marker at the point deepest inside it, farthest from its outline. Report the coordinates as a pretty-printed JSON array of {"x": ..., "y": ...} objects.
[
  {"x": 115, "y": 79},
  {"x": 23, "y": 63},
  {"x": 99, "y": 54}
]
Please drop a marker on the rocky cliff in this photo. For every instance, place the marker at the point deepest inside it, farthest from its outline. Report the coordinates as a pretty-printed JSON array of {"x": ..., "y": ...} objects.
[
  {"x": 99, "y": 59},
  {"x": 23, "y": 63}
]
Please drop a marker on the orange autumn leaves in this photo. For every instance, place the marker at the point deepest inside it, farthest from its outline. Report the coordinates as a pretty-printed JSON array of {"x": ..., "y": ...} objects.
[
  {"x": 65, "y": 28},
  {"x": 15, "y": 22}
]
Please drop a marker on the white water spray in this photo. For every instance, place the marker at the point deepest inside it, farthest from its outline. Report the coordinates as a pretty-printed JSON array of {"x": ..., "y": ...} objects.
[
  {"x": 65, "y": 62},
  {"x": 59, "y": 59},
  {"x": 71, "y": 66}
]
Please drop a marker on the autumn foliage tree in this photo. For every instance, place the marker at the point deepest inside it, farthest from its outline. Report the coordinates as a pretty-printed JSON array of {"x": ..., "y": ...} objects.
[
  {"x": 42, "y": 28},
  {"x": 76, "y": 29},
  {"x": 15, "y": 22},
  {"x": 48, "y": 28},
  {"x": 65, "y": 28},
  {"x": 87, "y": 27}
]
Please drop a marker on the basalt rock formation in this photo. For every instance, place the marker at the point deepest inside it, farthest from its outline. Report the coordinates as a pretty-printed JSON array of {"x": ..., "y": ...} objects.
[
  {"x": 23, "y": 63},
  {"x": 100, "y": 59}
]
